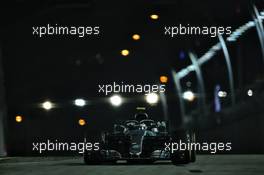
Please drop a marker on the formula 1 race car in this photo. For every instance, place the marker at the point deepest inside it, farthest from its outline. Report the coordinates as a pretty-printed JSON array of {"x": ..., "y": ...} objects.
[{"x": 141, "y": 140}]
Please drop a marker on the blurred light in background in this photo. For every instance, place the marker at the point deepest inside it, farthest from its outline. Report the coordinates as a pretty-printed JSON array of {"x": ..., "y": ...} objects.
[
  {"x": 79, "y": 102},
  {"x": 47, "y": 105},
  {"x": 141, "y": 108},
  {"x": 116, "y": 100},
  {"x": 182, "y": 55},
  {"x": 188, "y": 84},
  {"x": 154, "y": 16},
  {"x": 81, "y": 122},
  {"x": 188, "y": 95},
  {"x": 125, "y": 52},
  {"x": 250, "y": 92},
  {"x": 136, "y": 37},
  {"x": 152, "y": 98},
  {"x": 163, "y": 79},
  {"x": 19, "y": 119},
  {"x": 217, "y": 101},
  {"x": 222, "y": 94}
]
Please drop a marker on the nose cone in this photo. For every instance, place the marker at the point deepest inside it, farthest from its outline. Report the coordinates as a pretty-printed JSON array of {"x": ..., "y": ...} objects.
[{"x": 137, "y": 137}]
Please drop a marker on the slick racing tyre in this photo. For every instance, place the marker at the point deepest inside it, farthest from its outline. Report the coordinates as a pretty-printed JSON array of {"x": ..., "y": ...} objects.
[
  {"x": 181, "y": 157},
  {"x": 92, "y": 158}
]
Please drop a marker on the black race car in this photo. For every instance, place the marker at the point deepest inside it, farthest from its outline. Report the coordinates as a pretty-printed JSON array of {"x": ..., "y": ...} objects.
[{"x": 141, "y": 140}]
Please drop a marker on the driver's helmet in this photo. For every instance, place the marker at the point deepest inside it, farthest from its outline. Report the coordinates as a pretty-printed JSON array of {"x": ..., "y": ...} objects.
[{"x": 141, "y": 116}]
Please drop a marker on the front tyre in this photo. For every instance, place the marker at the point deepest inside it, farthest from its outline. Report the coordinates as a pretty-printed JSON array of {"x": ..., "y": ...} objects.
[
  {"x": 92, "y": 158},
  {"x": 181, "y": 157}
]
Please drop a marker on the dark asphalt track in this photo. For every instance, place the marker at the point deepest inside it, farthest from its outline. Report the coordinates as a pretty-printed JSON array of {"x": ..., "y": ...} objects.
[{"x": 206, "y": 164}]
